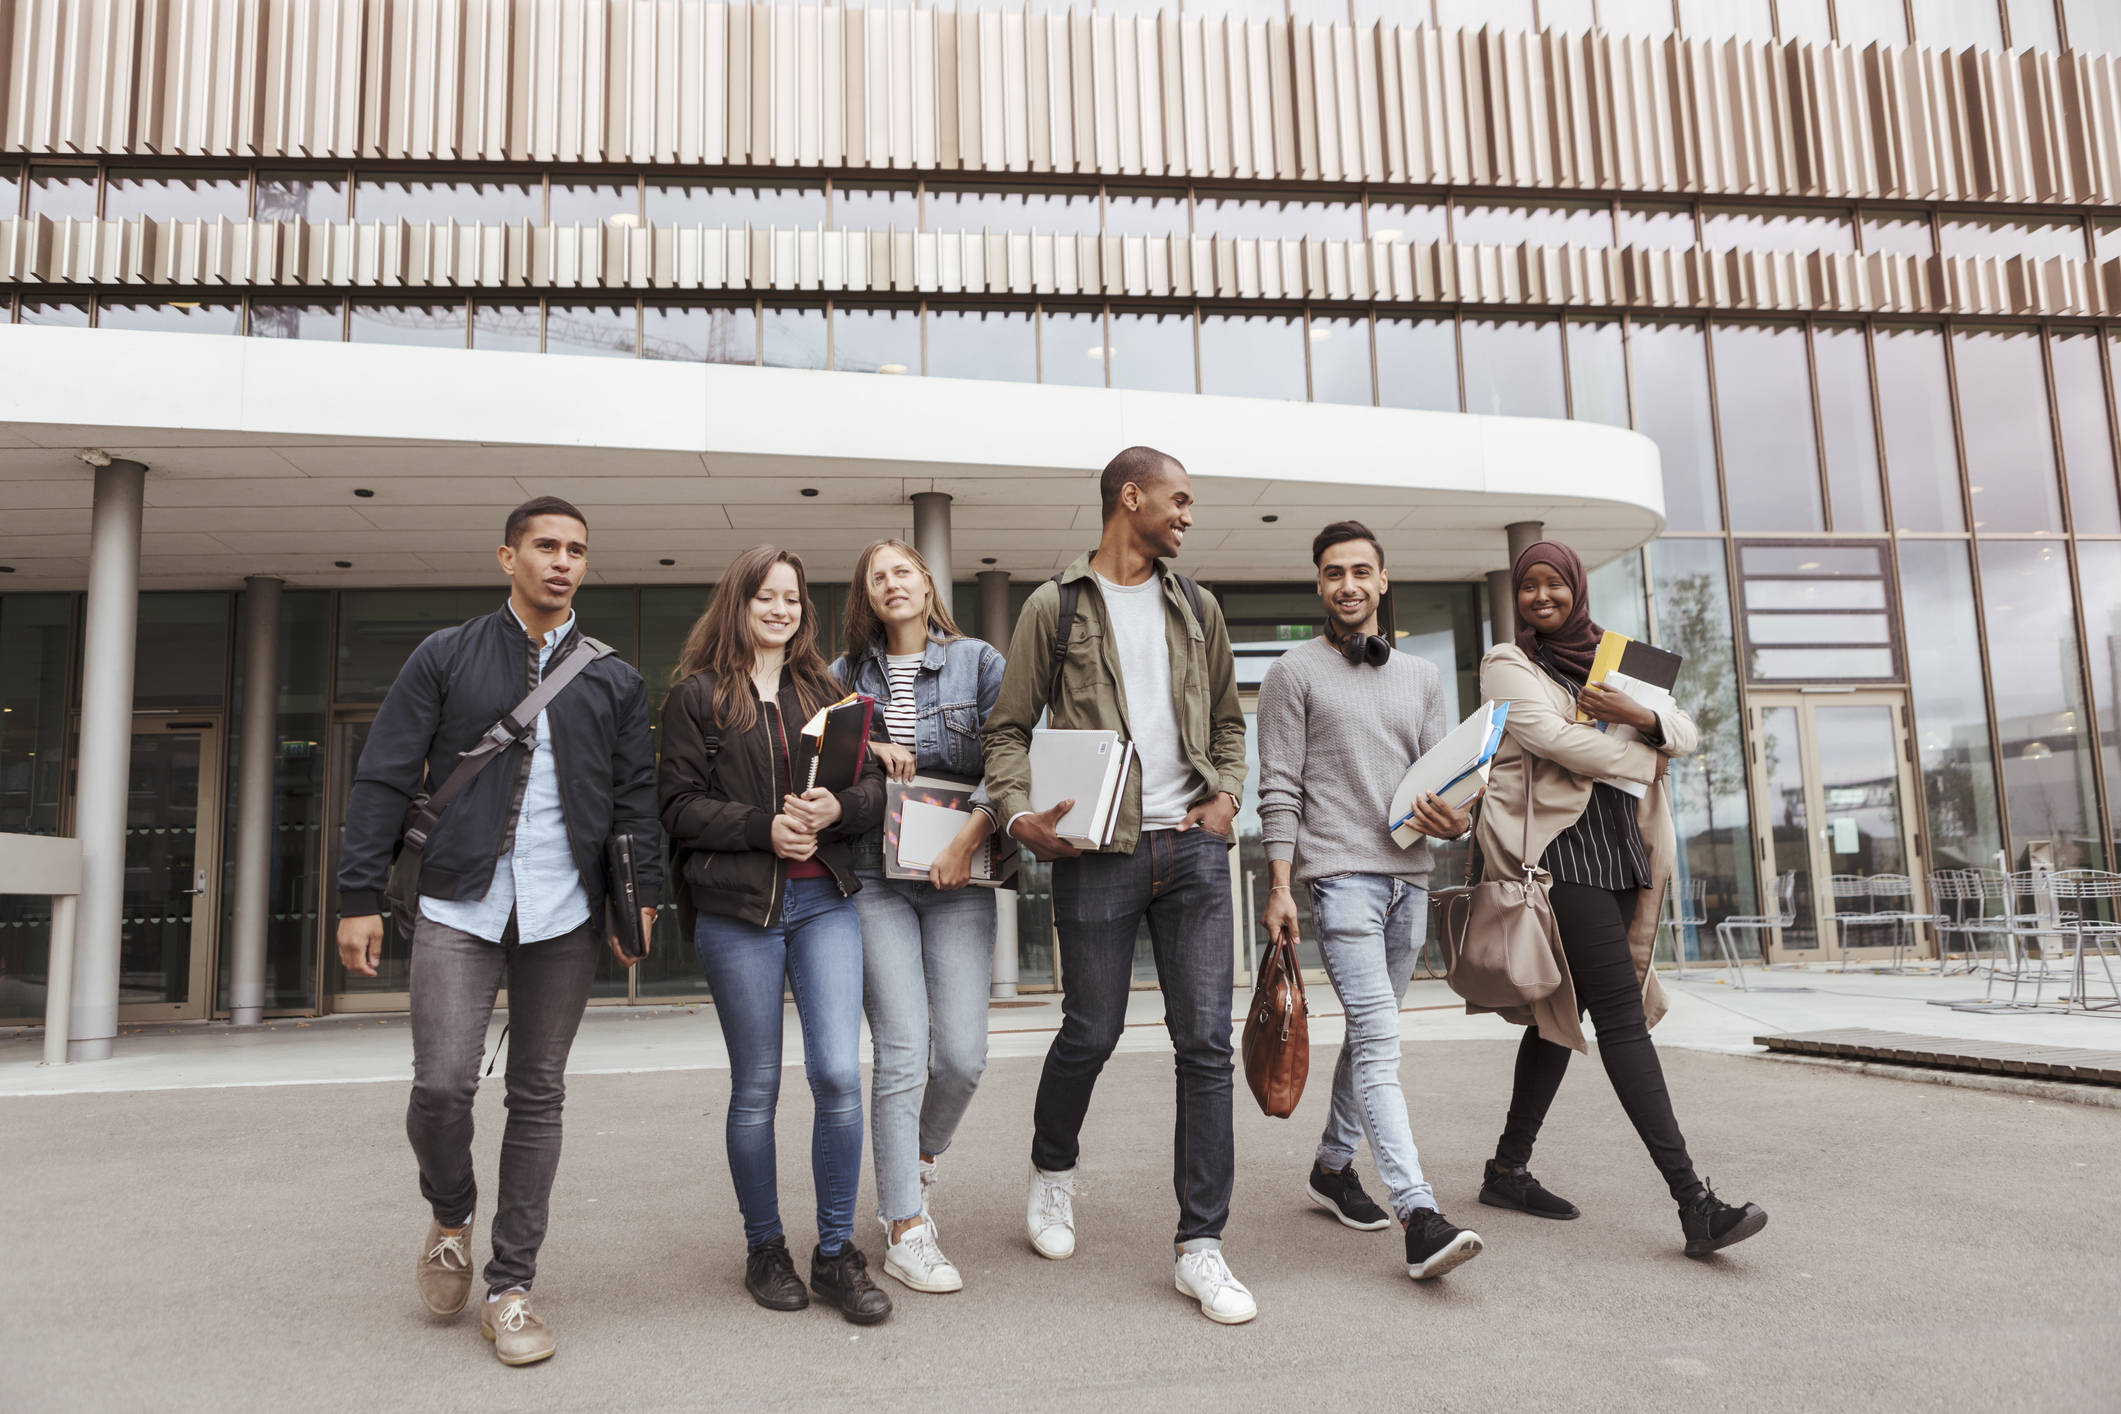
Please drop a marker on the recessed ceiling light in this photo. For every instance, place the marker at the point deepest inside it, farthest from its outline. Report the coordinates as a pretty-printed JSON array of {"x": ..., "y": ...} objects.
[
  {"x": 343, "y": 564},
  {"x": 891, "y": 368},
  {"x": 810, "y": 490},
  {"x": 1270, "y": 519},
  {"x": 666, "y": 562},
  {"x": 363, "y": 492},
  {"x": 988, "y": 561},
  {"x": 10, "y": 569}
]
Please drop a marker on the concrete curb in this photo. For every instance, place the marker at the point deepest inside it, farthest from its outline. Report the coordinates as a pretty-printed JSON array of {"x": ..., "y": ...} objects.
[{"x": 2065, "y": 1092}]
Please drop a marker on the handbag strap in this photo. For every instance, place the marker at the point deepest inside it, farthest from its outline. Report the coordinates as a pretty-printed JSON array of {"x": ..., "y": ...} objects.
[
  {"x": 1524, "y": 853},
  {"x": 513, "y": 727}
]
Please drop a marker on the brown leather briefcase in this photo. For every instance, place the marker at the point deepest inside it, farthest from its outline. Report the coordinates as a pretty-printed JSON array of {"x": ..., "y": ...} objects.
[{"x": 1277, "y": 1042}]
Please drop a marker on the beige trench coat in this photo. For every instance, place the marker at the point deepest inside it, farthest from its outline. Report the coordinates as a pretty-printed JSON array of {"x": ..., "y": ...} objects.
[{"x": 1572, "y": 756}]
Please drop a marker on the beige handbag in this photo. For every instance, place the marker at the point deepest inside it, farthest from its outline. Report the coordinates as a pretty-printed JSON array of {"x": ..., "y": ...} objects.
[{"x": 1498, "y": 938}]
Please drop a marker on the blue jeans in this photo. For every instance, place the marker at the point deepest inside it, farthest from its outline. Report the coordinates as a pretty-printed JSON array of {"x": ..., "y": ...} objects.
[
  {"x": 1181, "y": 884},
  {"x": 818, "y": 948},
  {"x": 927, "y": 961},
  {"x": 1370, "y": 931}
]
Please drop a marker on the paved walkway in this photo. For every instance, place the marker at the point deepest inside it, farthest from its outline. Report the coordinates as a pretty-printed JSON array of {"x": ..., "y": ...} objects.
[{"x": 1707, "y": 1014}]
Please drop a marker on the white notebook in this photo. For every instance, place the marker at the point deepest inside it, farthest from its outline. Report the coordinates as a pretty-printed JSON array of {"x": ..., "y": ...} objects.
[{"x": 926, "y": 830}]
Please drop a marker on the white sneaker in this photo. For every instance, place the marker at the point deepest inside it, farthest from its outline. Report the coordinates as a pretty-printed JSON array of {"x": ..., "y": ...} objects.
[
  {"x": 1050, "y": 1214},
  {"x": 918, "y": 1262},
  {"x": 1206, "y": 1277}
]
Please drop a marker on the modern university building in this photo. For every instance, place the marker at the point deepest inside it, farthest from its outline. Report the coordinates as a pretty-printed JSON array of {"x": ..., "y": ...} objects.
[{"x": 1788, "y": 314}]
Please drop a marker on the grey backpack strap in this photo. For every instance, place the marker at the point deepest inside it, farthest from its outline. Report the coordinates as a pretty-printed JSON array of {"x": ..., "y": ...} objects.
[{"x": 512, "y": 728}]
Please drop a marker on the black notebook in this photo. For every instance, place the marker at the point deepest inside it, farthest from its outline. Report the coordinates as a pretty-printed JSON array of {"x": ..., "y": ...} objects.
[
  {"x": 622, "y": 896},
  {"x": 835, "y": 743}
]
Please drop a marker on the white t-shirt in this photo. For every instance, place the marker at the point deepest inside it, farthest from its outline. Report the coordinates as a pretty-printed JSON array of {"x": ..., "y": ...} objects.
[
  {"x": 1136, "y": 614},
  {"x": 899, "y": 713}
]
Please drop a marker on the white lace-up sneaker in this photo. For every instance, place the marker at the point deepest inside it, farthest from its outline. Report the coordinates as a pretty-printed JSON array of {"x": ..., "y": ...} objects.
[
  {"x": 1206, "y": 1277},
  {"x": 918, "y": 1262},
  {"x": 1050, "y": 1214}
]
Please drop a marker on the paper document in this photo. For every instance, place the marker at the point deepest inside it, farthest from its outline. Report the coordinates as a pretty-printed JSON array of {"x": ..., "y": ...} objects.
[
  {"x": 1455, "y": 769},
  {"x": 1648, "y": 695},
  {"x": 925, "y": 831},
  {"x": 1639, "y": 662}
]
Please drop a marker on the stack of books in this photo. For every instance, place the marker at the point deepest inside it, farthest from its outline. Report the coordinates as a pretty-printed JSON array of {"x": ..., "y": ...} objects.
[
  {"x": 1644, "y": 673},
  {"x": 1089, "y": 768}
]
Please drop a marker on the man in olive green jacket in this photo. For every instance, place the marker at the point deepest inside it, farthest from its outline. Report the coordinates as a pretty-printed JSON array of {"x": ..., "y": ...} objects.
[{"x": 1148, "y": 656}]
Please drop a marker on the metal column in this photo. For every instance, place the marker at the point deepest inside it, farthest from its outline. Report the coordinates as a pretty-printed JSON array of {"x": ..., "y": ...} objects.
[
  {"x": 254, "y": 803},
  {"x": 931, "y": 535},
  {"x": 104, "y": 757},
  {"x": 994, "y": 627}
]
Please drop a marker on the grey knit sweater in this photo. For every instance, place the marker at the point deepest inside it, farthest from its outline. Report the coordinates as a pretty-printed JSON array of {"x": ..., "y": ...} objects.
[{"x": 1334, "y": 739}]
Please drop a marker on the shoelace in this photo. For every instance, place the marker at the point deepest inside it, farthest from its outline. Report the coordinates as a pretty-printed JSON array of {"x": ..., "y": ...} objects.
[
  {"x": 513, "y": 1315},
  {"x": 1056, "y": 1206},
  {"x": 921, "y": 1242},
  {"x": 451, "y": 1245},
  {"x": 1213, "y": 1273}
]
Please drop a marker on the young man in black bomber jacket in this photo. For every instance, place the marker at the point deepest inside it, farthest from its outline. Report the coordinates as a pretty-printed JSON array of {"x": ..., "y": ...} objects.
[{"x": 511, "y": 894}]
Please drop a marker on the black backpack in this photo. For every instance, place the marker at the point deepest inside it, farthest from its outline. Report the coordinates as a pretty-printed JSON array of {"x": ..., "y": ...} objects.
[{"x": 1064, "y": 625}]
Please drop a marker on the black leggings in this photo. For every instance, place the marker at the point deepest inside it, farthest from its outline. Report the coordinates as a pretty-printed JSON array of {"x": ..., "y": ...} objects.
[{"x": 1594, "y": 936}]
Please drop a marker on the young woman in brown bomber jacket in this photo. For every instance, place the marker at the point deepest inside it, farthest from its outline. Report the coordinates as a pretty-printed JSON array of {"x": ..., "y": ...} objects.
[{"x": 1608, "y": 857}]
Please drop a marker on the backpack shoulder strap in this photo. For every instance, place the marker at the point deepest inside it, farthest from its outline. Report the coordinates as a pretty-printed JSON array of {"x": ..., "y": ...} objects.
[
  {"x": 1063, "y": 628},
  {"x": 515, "y": 726},
  {"x": 1191, "y": 589}
]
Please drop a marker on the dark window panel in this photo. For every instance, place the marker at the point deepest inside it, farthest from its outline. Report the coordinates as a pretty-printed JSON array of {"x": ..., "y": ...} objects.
[
  {"x": 1277, "y": 215},
  {"x": 1801, "y": 229},
  {"x": 1509, "y": 221},
  {"x": 2087, "y": 442},
  {"x": 1915, "y": 411},
  {"x": 1340, "y": 361},
  {"x": 1672, "y": 408},
  {"x": 700, "y": 334},
  {"x": 1513, "y": 367},
  {"x": 180, "y": 655},
  {"x": 994, "y": 344},
  {"x": 794, "y": 336},
  {"x": 1764, "y": 410},
  {"x": 1598, "y": 372},
  {"x": 1417, "y": 364},
  {"x": 2039, "y": 694},
  {"x": 879, "y": 339},
  {"x": 2010, "y": 448},
  {"x": 438, "y": 326},
  {"x": 1152, "y": 352},
  {"x": 1850, "y": 429},
  {"x": 302, "y": 196},
  {"x": 786, "y": 204},
  {"x": 1951, "y": 710},
  {"x": 1072, "y": 347},
  {"x": 1657, "y": 225},
  {"x": 62, "y": 192},
  {"x": 298, "y": 321},
  {"x": 379, "y": 628},
  {"x": 10, "y": 191},
  {"x": 510, "y": 328},
  {"x": 598, "y": 330},
  {"x": 440, "y": 200},
  {"x": 163, "y": 195},
  {"x": 172, "y": 316}
]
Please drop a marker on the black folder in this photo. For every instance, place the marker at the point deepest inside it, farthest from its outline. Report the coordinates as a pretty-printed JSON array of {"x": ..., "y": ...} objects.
[
  {"x": 832, "y": 756},
  {"x": 622, "y": 896}
]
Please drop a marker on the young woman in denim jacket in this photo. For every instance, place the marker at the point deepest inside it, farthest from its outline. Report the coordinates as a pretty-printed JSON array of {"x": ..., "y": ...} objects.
[{"x": 927, "y": 946}]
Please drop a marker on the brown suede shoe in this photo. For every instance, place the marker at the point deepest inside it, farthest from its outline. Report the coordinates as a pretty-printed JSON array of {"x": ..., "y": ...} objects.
[
  {"x": 519, "y": 1337},
  {"x": 444, "y": 1271}
]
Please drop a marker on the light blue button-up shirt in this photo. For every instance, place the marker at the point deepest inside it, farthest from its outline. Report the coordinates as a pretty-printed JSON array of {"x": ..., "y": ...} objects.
[{"x": 536, "y": 879}]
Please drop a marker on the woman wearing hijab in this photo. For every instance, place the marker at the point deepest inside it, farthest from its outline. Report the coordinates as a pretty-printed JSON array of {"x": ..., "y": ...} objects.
[{"x": 1608, "y": 857}]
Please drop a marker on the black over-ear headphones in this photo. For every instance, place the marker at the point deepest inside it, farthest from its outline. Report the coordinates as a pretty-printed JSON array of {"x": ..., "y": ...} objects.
[{"x": 1360, "y": 648}]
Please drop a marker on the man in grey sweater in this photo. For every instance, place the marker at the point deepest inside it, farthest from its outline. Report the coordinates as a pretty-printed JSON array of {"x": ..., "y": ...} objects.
[{"x": 1341, "y": 717}]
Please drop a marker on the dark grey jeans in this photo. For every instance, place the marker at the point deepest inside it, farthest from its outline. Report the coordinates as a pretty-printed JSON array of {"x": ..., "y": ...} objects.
[
  {"x": 1181, "y": 884},
  {"x": 454, "y": 979}
]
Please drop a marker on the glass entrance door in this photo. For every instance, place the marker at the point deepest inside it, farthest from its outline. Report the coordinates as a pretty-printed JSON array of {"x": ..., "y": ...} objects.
[
  {"x": 172, "y": 867},
  {"x": 1835, "y": 810}
]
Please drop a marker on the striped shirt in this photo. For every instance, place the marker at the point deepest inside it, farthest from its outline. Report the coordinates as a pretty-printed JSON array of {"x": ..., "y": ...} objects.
[
  {"x": 1604, "y": 848},
  {"x": 899, "y": 713}
]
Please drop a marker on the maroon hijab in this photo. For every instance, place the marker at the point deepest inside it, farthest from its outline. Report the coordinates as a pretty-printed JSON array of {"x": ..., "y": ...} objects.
[{"x": 1575, "y": 644}]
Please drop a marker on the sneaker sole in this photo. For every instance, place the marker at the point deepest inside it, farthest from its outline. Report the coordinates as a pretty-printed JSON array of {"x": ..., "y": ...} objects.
[
  {"x": 1051, "y": 1256},
  {"x": 1748, "y": 1226},
  {"x": 1462, "y": 1249},
  {"x": 1495, "y": 1200},
  {"x": 1220, "y": 1320},
  {"x": 519, "y": 1359},
  {"x": 1345, "y": 1221},
  {"x": 905, "y": 1279}
]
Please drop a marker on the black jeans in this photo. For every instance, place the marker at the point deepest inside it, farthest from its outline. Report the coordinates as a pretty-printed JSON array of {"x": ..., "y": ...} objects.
[
  {"x": 1181, "y": 883},
  {"x": 454, "y": 979},
  {"x": 1594, "y": 936}
]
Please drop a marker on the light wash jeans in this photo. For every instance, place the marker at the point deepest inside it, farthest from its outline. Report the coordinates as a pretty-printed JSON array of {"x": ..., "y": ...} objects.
[
  {"x": 927, "y": 962},
  {"x": 1370, "y": 931}
]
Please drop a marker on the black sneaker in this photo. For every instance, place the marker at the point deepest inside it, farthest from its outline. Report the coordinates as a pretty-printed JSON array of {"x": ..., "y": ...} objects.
[
  {"x": 1515, "y": 1188},
  {"x": 1435, "y": 1247},
  {"x": 1710, "y": 1224},
  {"x": 769, "y": 1275},
  {"x": 842, "y": 1280},
  {"x": 1341, "y": 1195}
]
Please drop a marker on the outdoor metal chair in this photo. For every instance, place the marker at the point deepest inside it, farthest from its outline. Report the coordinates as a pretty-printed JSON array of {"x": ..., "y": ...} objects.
[
  {"x": 2035, "y": 934},
  {"x": 1962, "y": 897},
  {"x": 1688, "y": 909},
  {"x": 1784, "y": 915},
  {"x": 1892, "y": 899},
  {"x": 2089, "y": 901}
]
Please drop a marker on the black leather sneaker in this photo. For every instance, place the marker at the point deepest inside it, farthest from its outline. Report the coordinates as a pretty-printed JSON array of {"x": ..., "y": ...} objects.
[
  {"x": 1434, "y": 1246},
  {"x": 1516, "y": 1189},
  {"x": 1710, "y": 1224},
  {"x": 842, "y": 1280},
  {"x": 769, "y": 1275},
  {"x": 1341, "y": 1195}
]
